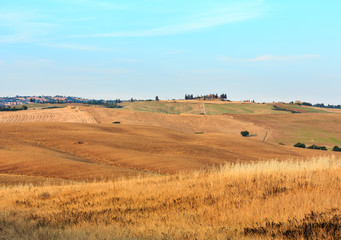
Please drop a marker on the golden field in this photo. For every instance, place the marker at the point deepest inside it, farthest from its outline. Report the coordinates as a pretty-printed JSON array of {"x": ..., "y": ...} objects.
[
  {"x": 71, "y": 173},
  {"x": 146, "y": 143},
  {"x": 67, "y": 114},
  {"x": 271, "y": 199}
]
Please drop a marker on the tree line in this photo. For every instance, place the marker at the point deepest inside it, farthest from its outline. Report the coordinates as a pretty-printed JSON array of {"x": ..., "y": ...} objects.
[
  {"x": 302, "y": 145},
  {"x": 222, "y": 96},
  {"x": 13, "y": 108},
  {"x": 320, "y": 105}
]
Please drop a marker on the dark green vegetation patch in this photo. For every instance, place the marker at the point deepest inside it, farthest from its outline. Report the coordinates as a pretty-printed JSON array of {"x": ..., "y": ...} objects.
[
  {"x": 317, "y": 147},
  {"x": 300, "y": 145},
  {"x": 245, "y": 133},
  {"x": 336, "y": 149}
]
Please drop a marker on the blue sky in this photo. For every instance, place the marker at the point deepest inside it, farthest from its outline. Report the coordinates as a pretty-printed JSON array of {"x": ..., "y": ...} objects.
[{"x": 252, "y": 49}]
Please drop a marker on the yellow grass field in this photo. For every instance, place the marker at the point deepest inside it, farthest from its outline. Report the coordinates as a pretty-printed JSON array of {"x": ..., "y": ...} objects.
[
  {"x": 89, "y": 172},
  {"x": 143, "y": 143},
  {"x": 68, "y": 114},
  {"x": 266, "y": 200}
]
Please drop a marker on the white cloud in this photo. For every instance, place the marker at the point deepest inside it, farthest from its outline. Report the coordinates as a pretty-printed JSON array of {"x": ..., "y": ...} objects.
[
  {"x": 271, "y": 58},
  {"x": 80, "y": 47},
  {"x": 207, "y": 19},
  {"x": 95, "y": 3},
  {"x": 24, "y": 26},
  {"x": 224, "y": 58},
  {"x": 33, "y": 63},
  {"x": 282, "y": 58},
  {"x": 17, "y": 37},
  {"x": 173, "y": 51},
  {"x": 127, "y": 60}
]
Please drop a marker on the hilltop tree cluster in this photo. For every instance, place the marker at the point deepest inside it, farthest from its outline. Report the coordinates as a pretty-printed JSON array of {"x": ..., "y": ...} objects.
[
  {"x": 106, "y": 103},
  {"x": 222, "y": 97},
  {"x": 320, "y": 105}
]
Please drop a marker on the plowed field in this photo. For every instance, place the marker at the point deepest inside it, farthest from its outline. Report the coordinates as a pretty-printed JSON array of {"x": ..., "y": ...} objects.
[{"x": 68, "y": 114}]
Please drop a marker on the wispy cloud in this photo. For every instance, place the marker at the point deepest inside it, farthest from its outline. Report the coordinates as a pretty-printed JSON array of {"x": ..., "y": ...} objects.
[
  {"x": 282, "y": 58},
  {"x": 271, "y": 58},
  {"x": 16, "y": 37},
  {"x": 95, "y": 3},
  {"x": 32, "y": 63},
  {"x": 174, "y": 51},
  {"x": 23, "y": 26},
  {"x": 127, "y": 60},
  {"x": 73, "y": 46},
  {"x": 224, "y": 58},
  {"x": 209, "y": 18},
  {"x": 39, "y": 25}
]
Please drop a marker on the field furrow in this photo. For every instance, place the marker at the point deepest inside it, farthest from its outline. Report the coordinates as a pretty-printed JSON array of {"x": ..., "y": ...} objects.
[{"x": 47, "y": 115}]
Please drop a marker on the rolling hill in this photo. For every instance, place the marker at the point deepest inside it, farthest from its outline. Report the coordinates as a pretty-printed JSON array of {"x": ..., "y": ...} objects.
[{"x": 82, "y": 143}]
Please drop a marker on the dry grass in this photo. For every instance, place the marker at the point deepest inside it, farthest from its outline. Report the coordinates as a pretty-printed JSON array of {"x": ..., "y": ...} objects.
[
  {"x": 149, "y": 142},
  {"x": 309, "y": 128},
  {"x": 68, "y": 114},
  {"x": 283, "y": 200},
  {"x": 53, "y": 150}
]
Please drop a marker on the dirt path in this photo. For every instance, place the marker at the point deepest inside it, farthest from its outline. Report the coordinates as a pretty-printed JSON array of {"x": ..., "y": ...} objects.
[
  {"x": 266, "y": 134},
  {"x": 203, "y": 109}
]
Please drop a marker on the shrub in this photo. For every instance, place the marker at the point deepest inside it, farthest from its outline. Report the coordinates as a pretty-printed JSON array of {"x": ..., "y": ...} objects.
[
  {"x": 336, "y": 149},
  {"x": 245, "y": 133},
  {"x": 300, "y": 145},
  {"x": 317, "y": 147}
]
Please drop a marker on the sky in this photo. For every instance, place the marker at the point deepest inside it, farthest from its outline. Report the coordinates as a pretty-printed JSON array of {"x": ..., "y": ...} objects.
[{"x": 260, "y": 50}]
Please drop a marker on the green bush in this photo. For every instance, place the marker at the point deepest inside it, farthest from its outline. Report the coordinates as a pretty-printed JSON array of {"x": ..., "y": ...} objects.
[
  {"x": 300, "y": 145},
  {"x": 245, "y": 133},
  {"x": 336, "y": 149},
  {"x": 317, "y": 147}
]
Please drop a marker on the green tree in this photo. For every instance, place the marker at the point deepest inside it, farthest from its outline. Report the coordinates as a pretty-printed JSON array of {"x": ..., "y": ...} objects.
[
  {"x": 245, "y": 133},
  {"x": 300, "y": 145},
  {"x": 336, "y": 149}
]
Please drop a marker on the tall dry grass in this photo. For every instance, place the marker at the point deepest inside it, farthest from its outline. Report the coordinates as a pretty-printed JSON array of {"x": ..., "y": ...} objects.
[{"x": 273, "y": 199}]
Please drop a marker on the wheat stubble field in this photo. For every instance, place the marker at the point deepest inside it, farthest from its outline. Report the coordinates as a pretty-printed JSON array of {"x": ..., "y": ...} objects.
[{"x": 70, "y": 173}]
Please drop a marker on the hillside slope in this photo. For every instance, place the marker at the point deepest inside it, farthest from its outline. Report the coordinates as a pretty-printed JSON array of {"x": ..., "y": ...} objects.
[
  {"x": 86, "y": 151},
  {"x": 142, "y": 144},
  {"x": 67, "y": 114},
  {"x": 309, "y": 128}
]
